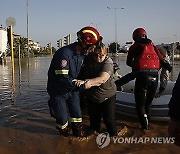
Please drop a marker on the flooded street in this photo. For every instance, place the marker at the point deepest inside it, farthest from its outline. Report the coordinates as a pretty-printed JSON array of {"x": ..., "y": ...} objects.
[
  {"x": 24, "y": 96},
  {"x": 26, "y": 125},
  {"x": 28, "y": 88}
]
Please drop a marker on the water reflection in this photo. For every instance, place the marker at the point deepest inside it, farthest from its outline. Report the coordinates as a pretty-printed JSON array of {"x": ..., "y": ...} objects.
[
  {"x": 22, "y": 85},
  {"x": 5, "y": 82},
  {"x": 13, "y": 85},
  {"x": 19, "y": 64}
]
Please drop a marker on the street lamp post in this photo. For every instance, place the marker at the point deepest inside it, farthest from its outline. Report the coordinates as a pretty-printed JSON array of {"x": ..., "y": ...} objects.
[
  {"x": 27, "y": 31},
  {"x": 175, "y": 38},
  {"x": 115, "y": 18}
]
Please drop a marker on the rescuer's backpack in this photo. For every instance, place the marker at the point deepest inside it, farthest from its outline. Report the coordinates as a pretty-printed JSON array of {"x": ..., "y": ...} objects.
[{"x": 148, "y": 58}]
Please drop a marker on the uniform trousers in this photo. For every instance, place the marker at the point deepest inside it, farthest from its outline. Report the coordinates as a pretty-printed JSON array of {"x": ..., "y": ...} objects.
[{"x": 61, "y": 107}]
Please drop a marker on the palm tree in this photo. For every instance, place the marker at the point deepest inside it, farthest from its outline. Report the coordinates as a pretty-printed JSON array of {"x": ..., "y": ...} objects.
[{"x": 23, "y": 46}]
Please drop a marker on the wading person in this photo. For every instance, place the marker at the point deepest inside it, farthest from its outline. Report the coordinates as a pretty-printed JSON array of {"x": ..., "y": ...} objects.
[
  {"x": 164, "y": 73},
  {"x": 64, "y": 96},
  {"x": 97, "y": 75},
  {"x": 143, "y": 58}
]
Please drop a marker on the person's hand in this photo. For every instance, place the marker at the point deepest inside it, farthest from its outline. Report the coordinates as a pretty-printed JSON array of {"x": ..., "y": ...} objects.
[
  {"x": 158, "y": 94},
  {"x": 78, "y": 83}
]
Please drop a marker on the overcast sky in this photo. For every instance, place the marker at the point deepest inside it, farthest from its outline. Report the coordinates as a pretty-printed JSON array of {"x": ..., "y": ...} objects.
[{"x": 50, "y": 20}]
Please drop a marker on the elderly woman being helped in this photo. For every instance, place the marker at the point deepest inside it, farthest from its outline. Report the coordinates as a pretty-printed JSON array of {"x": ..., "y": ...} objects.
[{"x": 97, "y": 78}]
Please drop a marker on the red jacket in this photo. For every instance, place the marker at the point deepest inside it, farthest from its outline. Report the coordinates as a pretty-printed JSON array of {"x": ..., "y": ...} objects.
[{"x": 144, "y": 55}]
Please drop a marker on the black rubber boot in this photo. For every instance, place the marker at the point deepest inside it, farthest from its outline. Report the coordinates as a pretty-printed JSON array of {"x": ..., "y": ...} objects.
[
  {"x": 77, "y": 130},
  {"x": 145, "y": 125},
  {"x": 65, "y": 132}
]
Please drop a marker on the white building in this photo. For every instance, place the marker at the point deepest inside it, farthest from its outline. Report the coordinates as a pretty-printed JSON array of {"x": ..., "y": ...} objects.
[
  {"x": 34, "y": 45},
  {"x": 3, "y": 41}
]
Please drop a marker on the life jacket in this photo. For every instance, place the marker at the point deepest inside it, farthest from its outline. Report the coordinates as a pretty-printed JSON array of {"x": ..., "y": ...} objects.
[{"x": 148, "y": 58}]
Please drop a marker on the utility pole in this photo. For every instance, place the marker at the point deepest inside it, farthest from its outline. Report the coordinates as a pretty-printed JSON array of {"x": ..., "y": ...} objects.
[
  {"x": 27, "y": 31},
  {"x": 10, "y": 35},
  {"x": 115, "y": 19},
  {"x": 49, "y": 47},
  {"x": 60, "y": 43},
  {"x": 67, "y": 39},
  {"x": 51, "y": 50}
]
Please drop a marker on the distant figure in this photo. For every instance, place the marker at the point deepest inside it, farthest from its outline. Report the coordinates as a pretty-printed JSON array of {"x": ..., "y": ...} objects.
[
  {"x": 116, "y": 68},
  {"x": 64, "y": 96},
  {"x": 144, "y": 59},
  {"x": 164, "y": 74},
  {"x": 174, "y": 112}
]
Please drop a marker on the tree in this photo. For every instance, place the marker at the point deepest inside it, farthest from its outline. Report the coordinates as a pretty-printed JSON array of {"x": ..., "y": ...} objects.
[
  {"x": 112, "y": 47},
  {"x": 23, "y": 46}
]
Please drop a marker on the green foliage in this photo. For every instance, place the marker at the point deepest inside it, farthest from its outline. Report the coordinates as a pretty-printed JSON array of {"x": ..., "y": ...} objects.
[
  {"x": 112, "y": 47},
  {"x": 21, "y": 44},
  {"x": 178, "y": 47}
]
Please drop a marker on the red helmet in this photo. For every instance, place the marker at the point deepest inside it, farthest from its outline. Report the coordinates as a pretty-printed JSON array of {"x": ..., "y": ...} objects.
[
  {"x": 89, "y": 35},
  {"x": 139, "y": 32}
]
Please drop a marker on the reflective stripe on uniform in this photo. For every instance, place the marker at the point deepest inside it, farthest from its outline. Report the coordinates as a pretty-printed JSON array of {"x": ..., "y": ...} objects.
[
  {"x": 76, "y": 119},
  {"x": 62, "y": 126},
  {"x": 61, "y": 71}
]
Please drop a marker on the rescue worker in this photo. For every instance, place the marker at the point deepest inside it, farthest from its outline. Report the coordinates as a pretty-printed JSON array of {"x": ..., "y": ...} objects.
[
  {"x": 64, "y": 96},
  {"x": 97, "y": 77},
  {"x": 146, "y": 61},
  {"x": 164, "y": 73}
]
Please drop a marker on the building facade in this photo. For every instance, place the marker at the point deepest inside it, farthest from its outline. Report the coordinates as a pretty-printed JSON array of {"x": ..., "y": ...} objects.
[{"x": 3, "y": 41}]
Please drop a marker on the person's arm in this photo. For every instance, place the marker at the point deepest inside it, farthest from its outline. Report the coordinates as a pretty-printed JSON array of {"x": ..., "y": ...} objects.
[
  {"x": 88, "y": 83},
  {"x": 130, "y": 56},
  {"x": 102, "y": 78},
  {"x": 62, "y": 68},
  {"x": 161, "y": 57},
  {"x": 104, "y": 75},
  {"x": 166, "y": 64},
  {"x": 164, "y": 77}
]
